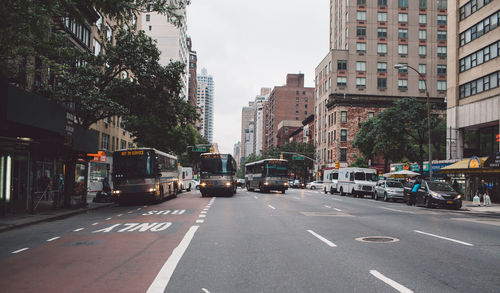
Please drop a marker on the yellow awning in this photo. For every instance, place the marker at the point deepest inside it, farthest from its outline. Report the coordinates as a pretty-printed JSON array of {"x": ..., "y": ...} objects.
[{"x": 469, "y": 165}]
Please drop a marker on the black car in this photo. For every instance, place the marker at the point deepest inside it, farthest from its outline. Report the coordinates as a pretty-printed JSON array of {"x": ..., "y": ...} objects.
[{"x": 435, "y": 193}]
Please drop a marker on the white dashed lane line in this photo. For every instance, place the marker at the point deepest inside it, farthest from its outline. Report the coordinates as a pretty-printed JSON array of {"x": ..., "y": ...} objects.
[
  {"x": 119, "y": 215},
  {"x": 108, "y": 219},
  {"x": 96, "y": 223},
  {"x": 328, "y": 242},
  {"x": 202, "y": 216},
  {"x": 199, "y": 221},
  {"x": 79, "y": 229},
  {"x": 390, "y": 282},
  {"x": 328, "y": 207},
  {"x": 396, "y": 210},
  {"x": 338, "y": 210},
  {"x": 445, "y": 238},
  {"x": 52, "y": 239},
  {"x": 271, "y": 206},
  {"x": 20, "y": 250}
]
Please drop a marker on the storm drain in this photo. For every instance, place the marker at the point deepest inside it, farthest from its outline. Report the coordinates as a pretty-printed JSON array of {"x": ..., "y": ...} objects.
[{"x": 378, "y": 239}]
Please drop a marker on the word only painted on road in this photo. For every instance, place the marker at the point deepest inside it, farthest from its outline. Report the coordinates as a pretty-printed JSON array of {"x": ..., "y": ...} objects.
[
  {"x": 166, "y": 212},
  {"x": 136, "y": 227}
]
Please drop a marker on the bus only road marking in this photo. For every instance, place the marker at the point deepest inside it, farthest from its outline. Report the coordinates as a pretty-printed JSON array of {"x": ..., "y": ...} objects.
[{"x": 135, "y": 227}]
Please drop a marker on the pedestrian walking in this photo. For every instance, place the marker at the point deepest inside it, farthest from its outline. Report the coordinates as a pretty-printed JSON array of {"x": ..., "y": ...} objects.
[{"x": 414, "y": 190}]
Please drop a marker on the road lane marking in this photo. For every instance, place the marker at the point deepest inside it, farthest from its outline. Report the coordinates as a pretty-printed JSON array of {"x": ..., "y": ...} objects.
[
  {"x": 200, "y": 221},
  {"x": 129, "y": 212},
  {"x": 331, "y": 244},
  {"x": 96, "y": 223},
  {"x": 445, "y": 238},
  {"x": 390, "y": 282},
  {"x": 205, "y": 290},
  {"x": 255, "y": 197},
  {"x": 20, "y": 250},
  {"x": 336, "y": 199},
  {"x": 52, "y": 239},
  {"x": 79, "y": 229},
  {"x": 338, "y": 210},
  {"x": 108, "y": 219},
  {"x": 139, "y": 209},
  {"x": 119, "y": 215},
  {"x": 203, "y": 212},
  {"x": 328, "y": 207},
  {"x": 296, "y": 197},
  {"x": 494, "y": 222},
  {"x": 161, "y": 281},
  {"x": 271, "y": 206},
  {"x": 202, "y": 216},
  {"x": 396, "y": 210}
]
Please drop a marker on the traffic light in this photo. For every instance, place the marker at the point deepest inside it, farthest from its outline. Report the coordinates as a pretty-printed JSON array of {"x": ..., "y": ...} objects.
[
  {"x": 498, "y": 137},
  {"x": 337, "y": 164},
  {"x": 281, "y": 155}
]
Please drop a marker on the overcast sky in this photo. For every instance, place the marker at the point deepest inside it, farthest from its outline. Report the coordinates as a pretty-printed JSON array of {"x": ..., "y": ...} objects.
[{"x": 247, "y": 45}]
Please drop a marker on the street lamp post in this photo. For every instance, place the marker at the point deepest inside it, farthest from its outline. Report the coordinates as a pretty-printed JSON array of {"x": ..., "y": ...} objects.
[{"x": 398, "y": 66}]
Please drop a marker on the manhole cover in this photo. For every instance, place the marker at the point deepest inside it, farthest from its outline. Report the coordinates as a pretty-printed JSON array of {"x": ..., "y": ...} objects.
[{"x": 378, "y": 239}]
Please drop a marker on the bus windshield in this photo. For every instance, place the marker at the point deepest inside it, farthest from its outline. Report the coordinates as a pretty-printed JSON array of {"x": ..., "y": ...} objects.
[
  {"x": 277, "y": 169},
  {"x": 133, "y": 166},
  {"x": 216, "y": 164}
]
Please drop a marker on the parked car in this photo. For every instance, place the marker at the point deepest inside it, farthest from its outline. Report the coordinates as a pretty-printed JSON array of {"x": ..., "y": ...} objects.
[
  {"x": 435, "y": 193},
  {"x": 389, "y": 190},
  {"x": 315, "y": 185},
  {"x": 240, "y": 183},
  {"x": 297, "y": 184}
]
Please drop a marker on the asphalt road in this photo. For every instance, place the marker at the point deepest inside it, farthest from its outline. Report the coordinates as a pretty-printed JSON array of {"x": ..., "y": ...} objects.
[{"x": 301, "y": 241}]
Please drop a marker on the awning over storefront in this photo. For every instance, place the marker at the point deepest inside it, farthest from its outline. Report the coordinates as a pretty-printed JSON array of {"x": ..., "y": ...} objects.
[{"x": 474, "y": 165}]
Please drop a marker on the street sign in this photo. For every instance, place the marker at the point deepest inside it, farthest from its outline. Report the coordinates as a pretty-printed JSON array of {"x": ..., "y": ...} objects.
[
  {"x": 298, "y": 158},
  {"x": 201, "y": 150}
]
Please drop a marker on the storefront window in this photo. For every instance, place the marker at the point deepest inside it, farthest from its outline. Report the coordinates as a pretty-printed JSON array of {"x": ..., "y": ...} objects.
[{"x": 481, "y": 142}]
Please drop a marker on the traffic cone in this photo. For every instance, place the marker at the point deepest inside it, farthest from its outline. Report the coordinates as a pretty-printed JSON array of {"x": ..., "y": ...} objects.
[{"x": 475, "y": 201}]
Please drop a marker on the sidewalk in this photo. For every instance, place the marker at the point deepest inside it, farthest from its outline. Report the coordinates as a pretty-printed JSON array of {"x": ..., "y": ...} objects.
[
  {"x": 493, "y": 209},
  {"x": 44, "y": 213}
]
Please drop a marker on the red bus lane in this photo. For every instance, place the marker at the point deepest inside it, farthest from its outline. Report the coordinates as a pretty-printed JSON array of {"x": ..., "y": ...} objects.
[{"x": 123, "y": 254}]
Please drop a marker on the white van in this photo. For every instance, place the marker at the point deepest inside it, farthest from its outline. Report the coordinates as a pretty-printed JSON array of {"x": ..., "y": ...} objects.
[
  {"x": 330, "y": 179},
  {"x": 185, "y": 178},
  {"x": 357, "y": 181}
]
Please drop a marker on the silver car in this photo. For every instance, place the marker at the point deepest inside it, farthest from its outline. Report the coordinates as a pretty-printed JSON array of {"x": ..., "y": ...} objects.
[{"x": 389, "y": 190}]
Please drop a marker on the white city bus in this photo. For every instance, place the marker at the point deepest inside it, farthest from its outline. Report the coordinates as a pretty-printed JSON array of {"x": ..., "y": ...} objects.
[
  {"x": 217, "y": 174},
  {"x": 144, "y": 174},
  {"x": 266, "y": 175}
]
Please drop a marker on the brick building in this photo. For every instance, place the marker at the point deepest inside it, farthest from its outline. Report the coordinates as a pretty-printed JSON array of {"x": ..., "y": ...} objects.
[
  {"x": 364, "y": 48},
  {"x": 291, "y": 101},
  {"x": 285, "y": 129}
]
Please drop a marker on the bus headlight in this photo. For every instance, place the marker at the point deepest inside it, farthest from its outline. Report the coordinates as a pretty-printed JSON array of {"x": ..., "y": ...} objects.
[
  {"x": 116, "y": 192},
  {"x": 286, "y": 183},
  {"x": 266, "y": 183},
  {"x": 228, "y": 184},
  {"x": 203, "y": 184},
  {"x": 152, "y": 190}
]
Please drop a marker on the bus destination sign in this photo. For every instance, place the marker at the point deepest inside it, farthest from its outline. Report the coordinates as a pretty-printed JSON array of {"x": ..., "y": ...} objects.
[
  {"x": 211, "y": 156},
  {"x": 132, "y": 153}
]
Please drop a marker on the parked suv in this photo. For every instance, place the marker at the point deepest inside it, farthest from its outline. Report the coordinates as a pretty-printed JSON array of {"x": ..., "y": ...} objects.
[{"x": 389, "y": 190}]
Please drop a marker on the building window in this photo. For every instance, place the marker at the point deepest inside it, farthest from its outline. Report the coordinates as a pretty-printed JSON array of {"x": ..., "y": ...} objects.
[
  {"x": 441, "y": 85},
  {"x": 422, "y": 34},
  {"x": 403, "y": 17},
  {"x": 361, "y": 15},
  {"x": 343, "y": 155},
  {"x": 403, "y": 33},
  {"x": 361, "y": 47},
  {"x": 403, "y": 69},
  {"x": 360, "y": 66},
  {"x": 148, "y": 17},
  {"x": 422, "y": 4},
  {"x": 479, "y": 57},
  {"x": 403, "y": 3},
  {"x": 360, "y": 81},
  {"x": 441, "y": 19},
  {"x": 342, "y": 65},
  {"x": 382, "y": 2},
  {"x": 371, "y": 115},
  {"x": 479, "y": 85},
  {"x": 382, "y": 67},
  {"x": 422, "y": 50},
  {"x": 105, "y": 141},
  {"x": 361, "y": 31},
  {"x": 382, "y": 48},
  {"x": 422, "y": 18},
  {"x": 402, "y": 84},
  {"x": 343, "y": 116},
  {"x": 97, "y": 47},
  {"x": 150, "y": 28},
  {"x": 123, "y": 144},
  {"x": 382, "y": 32},
  {"x": 479, "y": 29},
  {"x": 441, "y": 35},
  {"x": 361, "y": 2},
  {"x": 441, "y": 69},
  {"x": 297, "y": 99},
  {"x": 422, "y": 68},
  {"x": 382, "y": 16},
  {"x": 441, "y": 51},
  {"x": 381, "y": 83},
  {"x": 343, "y": 135},
  {"x": 109, "y": 32},
  {"x": 403, "y": 49},
  {"x": 296, "y": 106},
  {"x": 442, "y": 4},
  {"x": 421, "y": 85},
  {"x": 471, "y": 7},
  {"x": 98, "y": 22},
  {"x": 341, "y": 81}
]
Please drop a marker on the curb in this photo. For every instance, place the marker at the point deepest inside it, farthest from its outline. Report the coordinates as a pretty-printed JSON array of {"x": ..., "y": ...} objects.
[{"x": 54, "y": 217}]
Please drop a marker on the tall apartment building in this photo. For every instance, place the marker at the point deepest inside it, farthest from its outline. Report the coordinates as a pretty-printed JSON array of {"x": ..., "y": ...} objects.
[
  {"x": 192, "y": 80},
  {"x": 357, "y": 78},
  {"x": 205, "y": 101},
  {"x": 247, "y": 130},
  {"x": 291, "y": 101},
  {"x": 473, "y": 96},
  {"x": 259, "y": 119},
  {"x": 171, "y": 39}
]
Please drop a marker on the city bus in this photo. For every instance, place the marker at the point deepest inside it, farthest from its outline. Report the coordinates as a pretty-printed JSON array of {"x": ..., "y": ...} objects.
[
  {"x": 144, "y": 174},
  {"x": 266, "y": 175},
  {"x": 217, "y": 174}
]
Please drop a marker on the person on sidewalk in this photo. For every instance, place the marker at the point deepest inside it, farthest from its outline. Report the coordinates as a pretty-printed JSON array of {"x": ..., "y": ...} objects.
[
  {"x": 414, "y": 190},
  {"x": 481, "y": 190}
]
